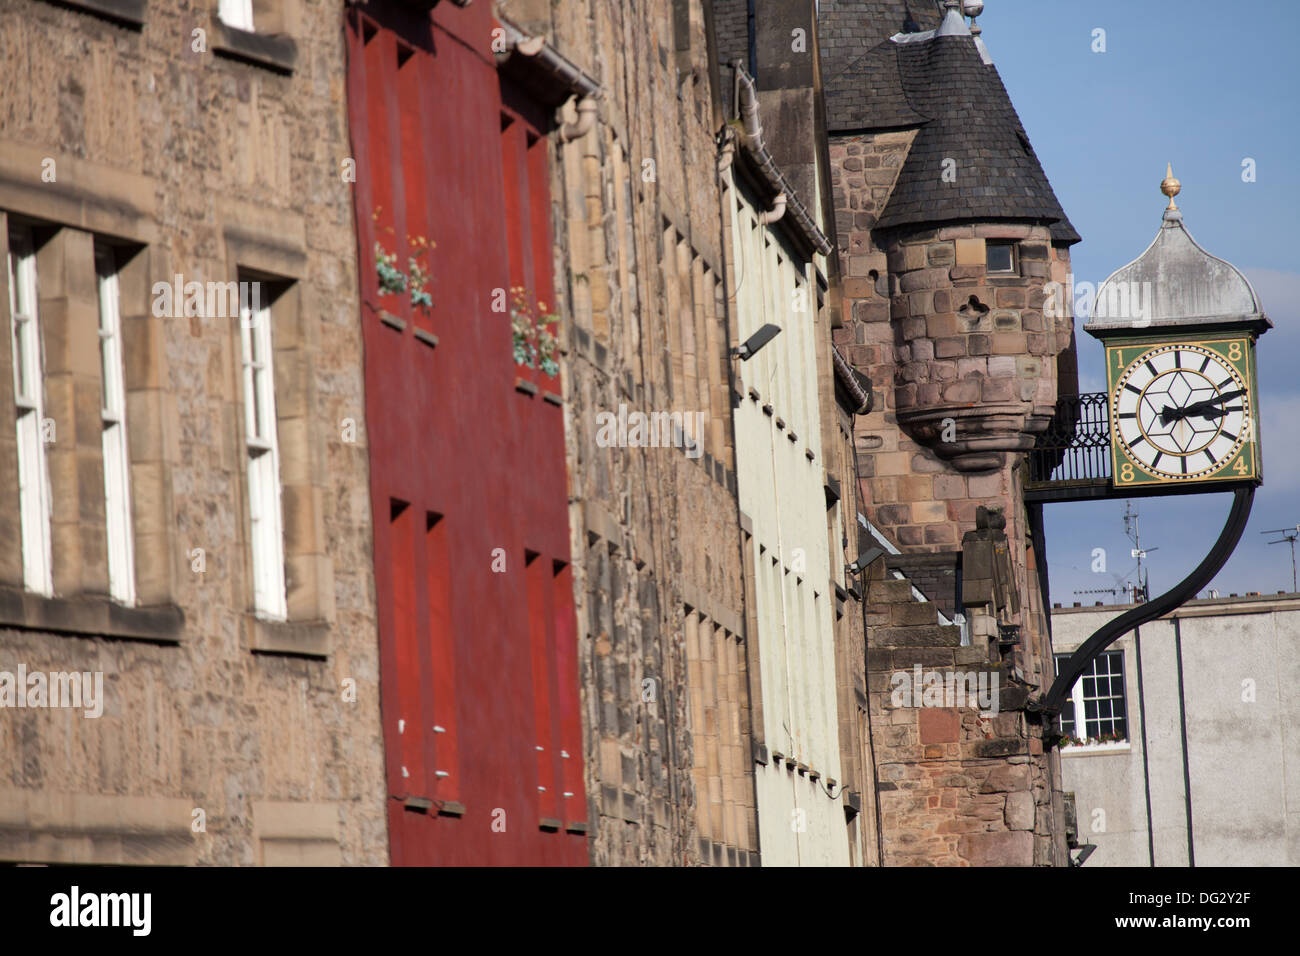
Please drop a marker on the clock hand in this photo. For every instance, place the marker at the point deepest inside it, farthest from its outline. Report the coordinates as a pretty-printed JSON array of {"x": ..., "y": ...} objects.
[
  {"x": 1205, "y": 409},
  {"x": 1200, "y": 408}
]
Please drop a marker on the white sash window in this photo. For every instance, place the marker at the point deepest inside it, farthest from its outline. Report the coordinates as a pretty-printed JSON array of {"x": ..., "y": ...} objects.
[
  {"x": 29, "y": 399},
  {"x": 117, "y": 464},
  {"x": 265, "y": 528}
]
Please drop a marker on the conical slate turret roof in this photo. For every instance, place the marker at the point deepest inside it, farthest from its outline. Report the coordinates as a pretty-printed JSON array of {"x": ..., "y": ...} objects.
[{"x": 944, "y": 82}]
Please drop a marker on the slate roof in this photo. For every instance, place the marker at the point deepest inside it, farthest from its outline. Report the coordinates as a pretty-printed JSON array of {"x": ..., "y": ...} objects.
[
  {"x": 943, "y": 85},
  {"x": 870, "y": 94},
  {"x": 860, "y": 76}
]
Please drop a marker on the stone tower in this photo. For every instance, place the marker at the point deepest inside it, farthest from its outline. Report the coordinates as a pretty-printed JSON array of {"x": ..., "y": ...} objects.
[{"x": 948, "y": 232}]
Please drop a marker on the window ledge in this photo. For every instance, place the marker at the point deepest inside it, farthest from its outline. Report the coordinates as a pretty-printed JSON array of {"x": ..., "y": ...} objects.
[
  {"x": 1093, "y": 750},
  {"x": 297, "y": 638},
  {"x": 90, "y": 615},
  {"x": 127, "y": 13},
  {"x": 274, "y": 51}
]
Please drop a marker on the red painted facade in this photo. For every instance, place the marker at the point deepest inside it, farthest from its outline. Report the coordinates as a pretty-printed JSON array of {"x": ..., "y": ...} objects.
[{"x": 477, "y": 634}]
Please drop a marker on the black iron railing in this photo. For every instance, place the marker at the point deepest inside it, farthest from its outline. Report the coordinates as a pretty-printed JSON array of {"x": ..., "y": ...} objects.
[{"x": 1076, "y": 444}]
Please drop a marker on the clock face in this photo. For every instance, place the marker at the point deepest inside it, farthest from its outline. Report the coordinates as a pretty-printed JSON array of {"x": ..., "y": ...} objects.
[{"x": 1181, "y": 412}]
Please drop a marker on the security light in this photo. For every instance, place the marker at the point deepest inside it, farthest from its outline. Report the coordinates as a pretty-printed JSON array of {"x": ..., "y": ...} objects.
[
  {"x": 751, "y": 345},
  {"x": 865, "y": 559}
]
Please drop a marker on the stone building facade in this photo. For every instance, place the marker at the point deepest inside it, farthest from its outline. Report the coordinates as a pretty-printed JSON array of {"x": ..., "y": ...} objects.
[
  {"x": 144, "y": 147},
  {"x": 789, "y": 547},
  {"x": 947, "y": 231},
  {"x": 782, "y": 160},
  {"x": 698, "y": 634},
  {"x": 649, "y": 271},
  {"x": 654, "y": 526}
]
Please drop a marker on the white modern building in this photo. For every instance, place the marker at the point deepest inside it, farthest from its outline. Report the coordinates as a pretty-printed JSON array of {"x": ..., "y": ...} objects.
[{"x": 1184, "y": 736}]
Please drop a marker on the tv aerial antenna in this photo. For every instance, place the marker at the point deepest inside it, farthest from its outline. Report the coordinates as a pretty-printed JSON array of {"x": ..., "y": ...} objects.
[
  {"x": 1141, "y": 590},
  {"x": 1113, "y": 592},
  {"x": 1288, "y": 536}
]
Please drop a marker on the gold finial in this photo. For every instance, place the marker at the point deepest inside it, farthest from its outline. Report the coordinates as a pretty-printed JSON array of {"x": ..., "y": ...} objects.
[{"x": 1170, "y": 186}]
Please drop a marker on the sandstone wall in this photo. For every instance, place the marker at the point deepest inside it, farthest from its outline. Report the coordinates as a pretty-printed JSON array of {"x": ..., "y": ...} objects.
[
  {"x": 200, "y": 164},
  {"x": 968, "y": 370},
  {"x": 656, "y": 537}
]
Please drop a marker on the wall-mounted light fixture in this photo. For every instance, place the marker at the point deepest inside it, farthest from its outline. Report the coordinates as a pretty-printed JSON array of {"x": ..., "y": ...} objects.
[
  {"x": 747, "y": 349},
  {"x": 865, "y": 559}
]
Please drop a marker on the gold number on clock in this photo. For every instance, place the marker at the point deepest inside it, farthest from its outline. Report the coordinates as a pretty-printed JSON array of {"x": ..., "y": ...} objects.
[
  {"x": 1240, "y": 466},
  {"x": 1126, "y": 472},
  {"x": 1234, "y": 351},
  {"x": 1119, "y": 358}
]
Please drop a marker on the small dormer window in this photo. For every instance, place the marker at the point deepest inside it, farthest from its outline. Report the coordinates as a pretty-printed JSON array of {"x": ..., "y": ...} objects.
[{"x": 1001, "y": 258}]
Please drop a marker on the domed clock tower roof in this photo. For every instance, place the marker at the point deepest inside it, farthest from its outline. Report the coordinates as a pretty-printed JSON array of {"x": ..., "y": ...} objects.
[{"x": 1175, "y": 283}]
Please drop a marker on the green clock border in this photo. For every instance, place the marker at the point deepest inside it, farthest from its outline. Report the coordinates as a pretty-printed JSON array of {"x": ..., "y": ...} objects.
[{"x": 1251, "y": 450}]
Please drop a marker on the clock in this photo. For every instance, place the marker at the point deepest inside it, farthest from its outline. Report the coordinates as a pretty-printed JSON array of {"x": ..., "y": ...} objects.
[
  {"x": 1182, "y": 411},
  {"x": 1179, "y": 327}
]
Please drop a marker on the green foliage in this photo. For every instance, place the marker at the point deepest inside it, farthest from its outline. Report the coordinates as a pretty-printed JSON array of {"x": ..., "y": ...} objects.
[
  {"x": 417, "y": 277},
  {"x": 535, "y": 343}
]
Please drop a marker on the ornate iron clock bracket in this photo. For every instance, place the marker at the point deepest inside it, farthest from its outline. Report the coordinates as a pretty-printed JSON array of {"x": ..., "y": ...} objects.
[{"x": 1050, "y": 704}]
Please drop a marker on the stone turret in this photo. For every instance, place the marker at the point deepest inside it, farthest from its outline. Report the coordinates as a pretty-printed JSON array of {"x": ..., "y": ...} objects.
[
  {"x": 970, "y": 232},
  {"x": 975, "y": 365},
  {"x": 949, "y": 233}
]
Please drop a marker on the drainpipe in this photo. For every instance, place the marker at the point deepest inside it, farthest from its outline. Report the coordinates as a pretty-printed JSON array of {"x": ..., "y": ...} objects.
[
  {"x": 752, "y": 139},
  {"x": 569, "y": 74},
  {"x": 747, "y": 107},
  {"x": 586, "y": 120},
  {"x": 1182, "y": 727},
  {"x": 770, "y": 216},
  {"x": 1146, "y": 764},
  {"x": 727, "y": 151},
  {"x": 849, "y": 380}
]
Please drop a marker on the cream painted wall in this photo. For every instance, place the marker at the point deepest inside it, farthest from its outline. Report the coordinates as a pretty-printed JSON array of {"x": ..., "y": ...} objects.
[
  {"x": 781, "y": 492},
  {"x": 1243, "y": 746}
]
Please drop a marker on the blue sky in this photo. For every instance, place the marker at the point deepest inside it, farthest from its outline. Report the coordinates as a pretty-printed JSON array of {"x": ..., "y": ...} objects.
[{"x": 1203, "y": 85}]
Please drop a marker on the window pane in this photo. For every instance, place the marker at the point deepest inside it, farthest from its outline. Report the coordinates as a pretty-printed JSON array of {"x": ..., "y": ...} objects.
[
  {"x": 21, "y": 270},
  {"x": 117, "y": 484},
  {"x": 103, "y": 376},
  {"x": 11, "y": 264},
  {"x": 21, "y": 388},
  {"x": 19, "y": 259},
  {"x": 999, "y": 257},
  {"x": 1103, "y": 695},
  {"x": 33, "y": 478},
  {"x": 1067, "y": 718},
  {"x": 266, "y": 529},
  {"x": 258, "y": 430}
]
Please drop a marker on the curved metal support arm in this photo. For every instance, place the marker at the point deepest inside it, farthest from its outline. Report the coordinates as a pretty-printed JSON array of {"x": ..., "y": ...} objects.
[{"x": 1136, "y": 617}]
